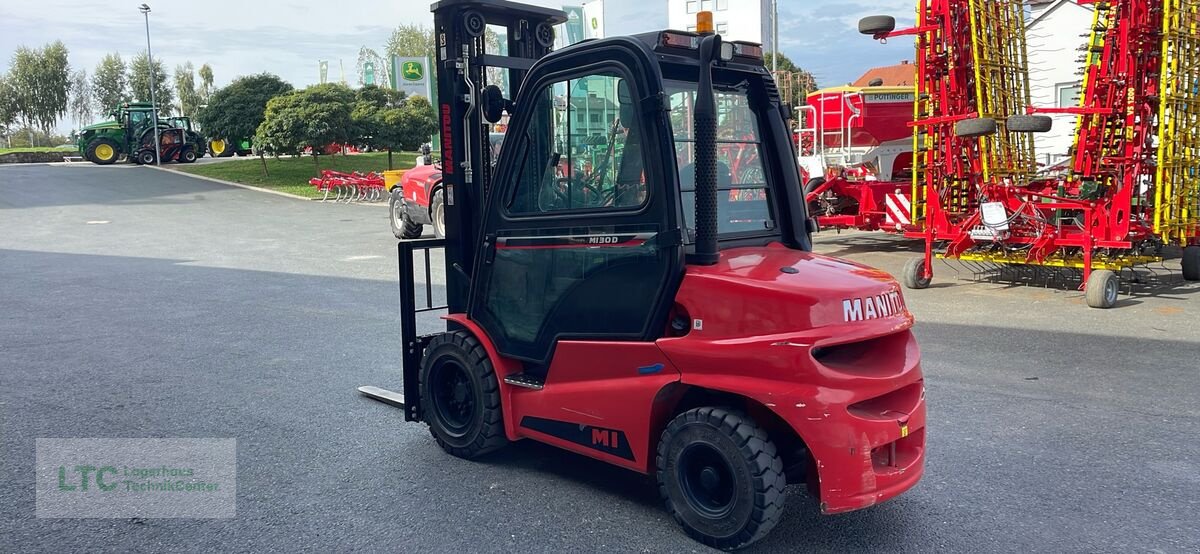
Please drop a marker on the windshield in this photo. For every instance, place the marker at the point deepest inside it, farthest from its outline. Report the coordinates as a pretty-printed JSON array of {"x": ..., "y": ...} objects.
[{"x": 742, "y": 193}]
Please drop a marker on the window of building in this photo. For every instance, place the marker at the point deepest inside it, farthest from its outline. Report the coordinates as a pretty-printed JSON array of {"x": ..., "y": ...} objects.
[
  {"x": 722, "y": 5},
  {"x": 693, "y": 6},
  {"x": 722, "y": 28},
  {"x": 1068, "y": 95}
]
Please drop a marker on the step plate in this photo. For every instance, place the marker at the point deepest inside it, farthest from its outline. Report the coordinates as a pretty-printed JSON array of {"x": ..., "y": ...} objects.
[{"x": 525, "y": 381}]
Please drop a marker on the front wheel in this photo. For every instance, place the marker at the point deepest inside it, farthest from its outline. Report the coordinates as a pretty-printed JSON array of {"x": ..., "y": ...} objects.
[
  {"x": 437, "y": 213},
  {"x": 146, "y": 157},
  {"x": 1191, "y": 263},
  {"x": 188, "y": 156},
  {"x": 102, "y": 151},
  {"x": 721, "y": 477},
  {"x": 460, "y": 396},
  {"x": 915, "y": 277},
  {"x": 402, "y": 226}
]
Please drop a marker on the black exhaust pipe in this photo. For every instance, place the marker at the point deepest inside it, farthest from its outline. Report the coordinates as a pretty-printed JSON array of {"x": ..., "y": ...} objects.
[{"x": 705, "y": 130}]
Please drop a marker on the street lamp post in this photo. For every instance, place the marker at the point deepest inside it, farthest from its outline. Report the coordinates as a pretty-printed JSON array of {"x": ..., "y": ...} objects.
[
  {"x": 145, "y": 9},
  {"x": 774, "y": 35}
]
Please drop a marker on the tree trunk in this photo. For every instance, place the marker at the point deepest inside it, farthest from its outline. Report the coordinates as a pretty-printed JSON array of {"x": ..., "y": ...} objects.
[
  {"x": 316, "y": 162},
  {"x": 263, "y": 159},
  {"x": 389, "y": 159}
]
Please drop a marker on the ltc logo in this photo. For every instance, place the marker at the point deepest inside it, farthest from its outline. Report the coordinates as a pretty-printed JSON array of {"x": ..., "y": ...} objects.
[
  {"x": 66, "y": 483},
  {"x": 412, "y": 71}
]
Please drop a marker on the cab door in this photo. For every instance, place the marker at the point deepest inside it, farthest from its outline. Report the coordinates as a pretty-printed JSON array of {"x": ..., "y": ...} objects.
[{"x": 580, "y": 240}]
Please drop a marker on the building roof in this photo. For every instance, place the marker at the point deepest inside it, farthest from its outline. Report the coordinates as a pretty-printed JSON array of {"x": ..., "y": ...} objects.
[{"x": 899, "y": 75}]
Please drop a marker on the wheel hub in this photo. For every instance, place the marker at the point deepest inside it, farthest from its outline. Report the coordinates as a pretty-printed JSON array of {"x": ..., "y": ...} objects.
[{"x": 706, "y": 478}]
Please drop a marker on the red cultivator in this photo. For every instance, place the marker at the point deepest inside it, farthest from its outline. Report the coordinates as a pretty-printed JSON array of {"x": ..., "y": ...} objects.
[
  {"x": 349, "y": 187},
  {"x": 1133, "y": 186}
]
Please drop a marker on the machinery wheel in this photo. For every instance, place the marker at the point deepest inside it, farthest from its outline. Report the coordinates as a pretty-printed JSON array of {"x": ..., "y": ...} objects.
[
  {"x": 102, "y": 151},
  {"x": 1029, "y": 123},
  {"x": 914, "y": 276},
  {"x": 401, "y": 226},
  {"x": 460, "y": 397},
  {"x": 1102, "y": 290},
  {"x": 876, "y": 25},
  {"x": 721, "y": 477},
  {"x": 1191, "y": 263},
  {"x": 188, "y": 156},
  {"x": 145, "y": 157},
  {"x": 978, "y": 127},
  {"x": 220, "y": 148},
  {"x": 437, "y": 214}
]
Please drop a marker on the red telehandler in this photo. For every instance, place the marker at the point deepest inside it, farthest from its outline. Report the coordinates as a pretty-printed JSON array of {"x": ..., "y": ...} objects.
[{"x": 615, "y": 289}]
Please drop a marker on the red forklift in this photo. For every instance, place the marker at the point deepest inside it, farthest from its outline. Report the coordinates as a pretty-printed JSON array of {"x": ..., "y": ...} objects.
[{"x": 616, "y": 290}]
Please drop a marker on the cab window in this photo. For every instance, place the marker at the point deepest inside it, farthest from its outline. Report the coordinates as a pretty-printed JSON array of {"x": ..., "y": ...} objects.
[
  {"x": 743, "y": 206},
  {"x": 583, "y": 150}
]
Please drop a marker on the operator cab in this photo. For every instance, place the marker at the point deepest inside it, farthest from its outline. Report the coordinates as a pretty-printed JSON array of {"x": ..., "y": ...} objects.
[{"x": 593, "y": 206}]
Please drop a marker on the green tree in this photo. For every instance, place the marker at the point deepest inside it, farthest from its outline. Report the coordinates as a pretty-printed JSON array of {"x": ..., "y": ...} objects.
[
  {"x": 410, "y": 40},
  {"x": 185, "y": 89},
  {"x": 8, "y": 109},
  {"x": 314, "y": 117},
  {"x": 40, "y": 81},
  {"x": 385, "y": 119},
  {"x": 139, "y": 82},
  {"x": 235, "y": 111},
  {"x": 110, "y": 83},
  {"x": 81, "y": 98},
  {"x": 206, "y": 83}
]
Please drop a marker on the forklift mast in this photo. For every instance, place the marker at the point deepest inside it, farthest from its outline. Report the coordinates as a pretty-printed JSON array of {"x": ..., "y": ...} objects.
[{"x": 460, "y": 27}]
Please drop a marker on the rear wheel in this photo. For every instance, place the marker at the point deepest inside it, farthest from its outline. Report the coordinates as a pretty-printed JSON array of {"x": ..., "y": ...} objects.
[
  {"x": 402, "y": 226},
  {"x": 437, "y": 213},
  {"x": 915, "y": 277},
  {"x": 102, "y": 151},
  {"x": 1103, "y": 288},
  {"x": 1191, "y": 263},
  {"x": 221, "y": 148},
  {"x": 721, "y": 477},
  {"x": 460, "y": 396}
]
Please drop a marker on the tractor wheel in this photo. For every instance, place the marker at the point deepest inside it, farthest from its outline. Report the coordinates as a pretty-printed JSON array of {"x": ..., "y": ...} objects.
[
  {"x": 145, "y": 157},
  {"x": 437, "y": 214},
  {"x": 220, "y": 148},
  {"x": 188, "y": 156},
  {"x": 914, "y": 276},
  {"x": 877, "y": 25},
  {"x": 1102, "y": 290},
  {"x": 1029, "y": 124},
  {"x": 460, "y": 397},
  {"x": 974, "y": 128},
  {"x": 402, "y": 227},
  {"x": 1191, "y": 263},
  {"x": 102, "y": 151},
  {"x": 721, "y": 477}
]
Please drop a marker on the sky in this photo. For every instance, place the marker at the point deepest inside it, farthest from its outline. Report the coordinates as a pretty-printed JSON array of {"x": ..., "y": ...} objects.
[{"x": 288, "y": 37}]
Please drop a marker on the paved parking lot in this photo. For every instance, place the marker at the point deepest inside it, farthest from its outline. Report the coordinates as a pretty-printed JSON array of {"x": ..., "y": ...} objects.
[{"x": 141, "y": 303}]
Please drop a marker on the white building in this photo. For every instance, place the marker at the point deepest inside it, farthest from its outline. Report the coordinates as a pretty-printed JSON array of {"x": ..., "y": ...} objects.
[
  {"x": 748, "y": 20},
  {"x": 1055, "y": 31}
]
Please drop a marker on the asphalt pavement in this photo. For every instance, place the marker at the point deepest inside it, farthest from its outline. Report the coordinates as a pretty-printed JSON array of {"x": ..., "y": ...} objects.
[{"x": 136, "y": 302}]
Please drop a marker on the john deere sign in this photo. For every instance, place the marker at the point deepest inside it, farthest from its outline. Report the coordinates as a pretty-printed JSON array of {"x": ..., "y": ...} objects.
[{"x": 412, "y": 76}]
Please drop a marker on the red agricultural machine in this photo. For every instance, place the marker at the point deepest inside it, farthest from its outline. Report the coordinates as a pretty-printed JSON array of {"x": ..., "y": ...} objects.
[
  {"x": 1133, "y": 187},
  {"x": 856, "y": 153}
]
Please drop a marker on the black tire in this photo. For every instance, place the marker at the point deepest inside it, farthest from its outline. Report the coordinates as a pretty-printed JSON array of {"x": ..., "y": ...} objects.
[
  {"x": 90, "y": 152},
  {"x": 1029, "y": 124},
  {"x": 460, "y": 396},
  {"x": 188, "y": 156},
  {"x": 876, "y": 25},
  {"x": 227, "y": 152},
  {"x": 146, "y": 157},
  {"x": 437, "y": 214},
  {"x": 974, "y": 128},
  {"x": 402, "y": 227},
  {"x": 1191, "y": 263},
  {"x": 1103, "y": 289},
  {"x": 720, "y": 477},
  {"x": 914, "y": 276}
]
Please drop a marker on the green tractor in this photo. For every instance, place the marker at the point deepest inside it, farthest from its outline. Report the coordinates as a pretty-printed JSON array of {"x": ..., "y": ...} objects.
[
  {"x": 226, "y": 148},
  {"x": 132, "y": 125}
]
